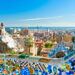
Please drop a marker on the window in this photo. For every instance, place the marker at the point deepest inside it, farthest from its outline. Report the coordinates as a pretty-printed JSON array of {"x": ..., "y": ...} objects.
[{"x": 2, "y": 48}]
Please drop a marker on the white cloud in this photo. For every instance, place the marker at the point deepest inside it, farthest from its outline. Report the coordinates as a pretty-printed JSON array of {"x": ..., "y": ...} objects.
[
  {"x": 57, "y": 24},
  {"x": 61, "y": 24},
  {"x": 34, "y": 19}
]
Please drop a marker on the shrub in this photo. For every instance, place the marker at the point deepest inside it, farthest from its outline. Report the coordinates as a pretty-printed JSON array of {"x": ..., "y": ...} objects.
[
  {"x": 23, "y": 56},
  {"x": 48, "y": 45}
]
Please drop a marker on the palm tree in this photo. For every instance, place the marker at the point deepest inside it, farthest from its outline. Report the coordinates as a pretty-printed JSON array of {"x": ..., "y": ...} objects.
[{"x": 29, "y": 43}]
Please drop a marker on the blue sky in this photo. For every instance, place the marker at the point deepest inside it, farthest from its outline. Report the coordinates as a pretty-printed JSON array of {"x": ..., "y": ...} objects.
[{"x": 37, "y": 12}]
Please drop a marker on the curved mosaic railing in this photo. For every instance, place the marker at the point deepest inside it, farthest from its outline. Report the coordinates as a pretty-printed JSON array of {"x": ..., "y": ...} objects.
[
  {"x": 63, "y": 59},
  {"x": 58, "y": 60},
  {"x": 70, "y": 55}
]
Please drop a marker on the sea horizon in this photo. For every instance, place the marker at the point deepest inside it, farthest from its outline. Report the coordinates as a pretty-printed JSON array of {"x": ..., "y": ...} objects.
[{"x": 43, "y": 27}]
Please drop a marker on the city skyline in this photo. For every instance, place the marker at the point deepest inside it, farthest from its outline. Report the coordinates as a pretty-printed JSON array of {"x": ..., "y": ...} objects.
[{"x": 57, "y": 13}]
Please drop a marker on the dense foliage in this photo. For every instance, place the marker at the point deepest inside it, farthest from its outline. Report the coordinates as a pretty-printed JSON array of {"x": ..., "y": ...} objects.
[
  {"x": 48, "y": 45},
  {"x": 29, "y": 41},
  {"x": 23, "y": 56},
  {"x": 73, "y": 39}
]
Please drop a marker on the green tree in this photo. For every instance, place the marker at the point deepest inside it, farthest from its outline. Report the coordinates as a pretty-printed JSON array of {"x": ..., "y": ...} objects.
[
  {"x": 73, "y": 39},
  {"x": 29, "y": 42},
  {"x": 48, "y": 45}
]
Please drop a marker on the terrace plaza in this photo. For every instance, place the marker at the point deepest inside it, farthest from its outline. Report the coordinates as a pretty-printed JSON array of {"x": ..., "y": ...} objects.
[{"x": 10, "y": 66}]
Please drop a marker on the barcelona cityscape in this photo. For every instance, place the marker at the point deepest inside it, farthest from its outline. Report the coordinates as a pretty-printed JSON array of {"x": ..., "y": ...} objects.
[{"x": 37, "y": 37}]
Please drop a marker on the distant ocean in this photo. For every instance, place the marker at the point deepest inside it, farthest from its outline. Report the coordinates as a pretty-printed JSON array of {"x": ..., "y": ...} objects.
[{"x": 43, "y": 27}]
